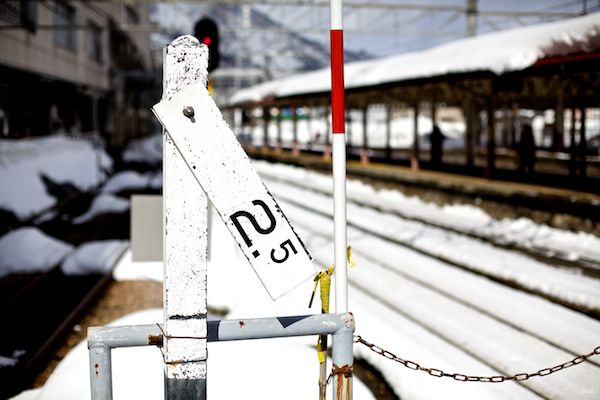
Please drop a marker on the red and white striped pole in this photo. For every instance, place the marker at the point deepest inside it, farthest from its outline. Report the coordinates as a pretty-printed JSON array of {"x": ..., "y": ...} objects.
[
  {"x": 339, "y": 156},
  {"x": 342, "y": 360}
]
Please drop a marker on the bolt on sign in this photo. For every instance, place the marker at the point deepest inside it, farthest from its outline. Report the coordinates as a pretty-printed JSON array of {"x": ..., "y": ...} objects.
[{"x": 226, "y": 174}]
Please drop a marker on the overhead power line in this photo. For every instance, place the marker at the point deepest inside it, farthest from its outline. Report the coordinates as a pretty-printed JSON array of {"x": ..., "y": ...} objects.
[{"x": 363, "y": 5}]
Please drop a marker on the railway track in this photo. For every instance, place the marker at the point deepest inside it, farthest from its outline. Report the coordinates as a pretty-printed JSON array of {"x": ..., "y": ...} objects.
[
  {"x": 495, "y": 327},
  {"x": 542, "y": 276},
  {"x": 40, "y": 309},
  {"x": 585, "y": 264},
  {"x": 39, "y": 317}
]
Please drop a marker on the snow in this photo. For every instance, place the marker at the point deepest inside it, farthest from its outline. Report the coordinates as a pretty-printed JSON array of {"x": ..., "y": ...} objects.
[
  {"x": 521, "y": 232},
  {"x": 127, "y": 270},
  {"x": 31, "y": 394},
  {"x": 62, "y": 159},
  {"x": 145, "y": 150},
  {"x": 104, "y": 203},
  {"x": 12, "y": 360},
  {"x": 28, "y": 250},
  {"x": 498, "y": 52},
  {"x": 457, "y": 248},
  {"x": 96, "y": 257},
  {"x": 420, "y": 308},
  {"x": 129, "y": 180}
]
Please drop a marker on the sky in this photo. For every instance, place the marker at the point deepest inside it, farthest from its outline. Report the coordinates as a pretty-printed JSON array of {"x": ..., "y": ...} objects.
[{"x": 382, "y": 32}]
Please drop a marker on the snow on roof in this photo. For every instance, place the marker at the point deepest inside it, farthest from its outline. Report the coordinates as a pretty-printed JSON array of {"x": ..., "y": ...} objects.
[{"x": 498, "y": 52}]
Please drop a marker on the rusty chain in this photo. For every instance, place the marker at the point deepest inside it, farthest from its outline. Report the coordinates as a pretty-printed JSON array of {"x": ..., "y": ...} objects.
[{"x": 438, "y": 373}]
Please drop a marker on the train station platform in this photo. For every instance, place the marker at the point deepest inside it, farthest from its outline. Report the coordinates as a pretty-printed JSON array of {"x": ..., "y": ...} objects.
[{"x": 550, "y": 199}]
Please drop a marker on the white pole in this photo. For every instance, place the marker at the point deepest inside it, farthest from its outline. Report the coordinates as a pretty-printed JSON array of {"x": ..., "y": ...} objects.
[
  {"x": 342, "y": 382},
  {"x": 339, "y": 157}
]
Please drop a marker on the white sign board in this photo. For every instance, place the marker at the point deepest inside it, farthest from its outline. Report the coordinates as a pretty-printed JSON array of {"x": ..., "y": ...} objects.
[{"x": 217, "y": 160}]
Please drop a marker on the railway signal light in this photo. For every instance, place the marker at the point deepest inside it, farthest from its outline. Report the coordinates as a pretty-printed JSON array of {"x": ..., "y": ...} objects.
[{"x": 207, "y": 32}]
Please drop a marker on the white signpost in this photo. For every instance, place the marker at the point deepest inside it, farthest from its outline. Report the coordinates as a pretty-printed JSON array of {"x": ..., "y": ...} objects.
[
  {"x": 217, "y": 160},
  {"x": 199, "y": 148}
]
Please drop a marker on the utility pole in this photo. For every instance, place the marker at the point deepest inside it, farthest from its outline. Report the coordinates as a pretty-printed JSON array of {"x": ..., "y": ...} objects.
[{"x": 472, "y": 13}]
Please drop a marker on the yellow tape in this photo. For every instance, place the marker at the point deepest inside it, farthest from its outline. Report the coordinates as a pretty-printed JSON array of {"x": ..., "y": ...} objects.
[
  {"x": 323, "y": 279},
  {"x": 351, "y": 261},
  {"x": 321, "y": 352}
]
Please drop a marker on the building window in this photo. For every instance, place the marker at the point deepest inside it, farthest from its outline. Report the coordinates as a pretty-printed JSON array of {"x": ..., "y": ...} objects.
[
  {"x": 64, "y": 26},
  {"x": 94, "y": 42},
  {"x": 132, "y": 16},
  {"x": 10, "y": 11},
  {"x": 21, "y": 13}
]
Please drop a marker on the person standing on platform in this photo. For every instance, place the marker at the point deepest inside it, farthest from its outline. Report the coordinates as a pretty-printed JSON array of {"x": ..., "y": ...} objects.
[
  {"x": 437, "y": 140},
  {"x": 526, "y": 150}
]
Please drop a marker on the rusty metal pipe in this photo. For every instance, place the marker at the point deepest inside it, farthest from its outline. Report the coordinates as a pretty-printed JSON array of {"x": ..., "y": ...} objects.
[
  {"x": 343, "y": 360},
  {"x": 100, "y": 372},
  {"x": 101, "y": 340}
]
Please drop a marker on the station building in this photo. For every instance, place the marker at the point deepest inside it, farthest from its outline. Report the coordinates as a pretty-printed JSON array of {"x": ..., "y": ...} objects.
[
  {"x": 486, "y": 89},
  {"x": 74, "y": 67}
]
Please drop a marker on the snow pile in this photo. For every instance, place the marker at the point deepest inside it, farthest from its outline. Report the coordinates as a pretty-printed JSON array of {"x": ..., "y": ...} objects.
[
  {"x": 498, "y": 52},
  {"x": 12, "y": 360},
  {"x": 129, "y": 180},
  {"x": 128, "y": 270},
  {"x": 60, "y": 158},
  {"x": 93, "y": 257},
  {"x": 27, "y": 250},
  {"x": 104, "y": 203},
  {"x": 146, "y": 150}
]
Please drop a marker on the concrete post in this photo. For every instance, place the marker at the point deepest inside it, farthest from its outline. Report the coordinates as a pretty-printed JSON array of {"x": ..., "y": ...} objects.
[
  {"x": 414, "y": 161},
  {"x": 185, "y": 246},
  {"x": 470, "y": 114},
  {"x": 295, "y": 144},
  {"x": 558, "y": 139},
  {"x": 388, "y": 131},
  {"x": 582, "y": 145},
  {"x": 573, "y": 145},
  {"x": 364, "y": 150},
  {"x": 490, "y": 140},
  {"x": 279, "y": 130},
  {"x": 266, "y": 111}
]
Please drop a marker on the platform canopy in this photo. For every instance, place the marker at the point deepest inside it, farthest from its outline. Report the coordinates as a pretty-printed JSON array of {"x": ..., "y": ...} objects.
[{"x": 489, "y": 55}]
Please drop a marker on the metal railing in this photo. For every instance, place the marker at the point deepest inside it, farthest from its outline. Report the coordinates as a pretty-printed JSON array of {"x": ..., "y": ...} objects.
[{"x": 101, "y": 340}]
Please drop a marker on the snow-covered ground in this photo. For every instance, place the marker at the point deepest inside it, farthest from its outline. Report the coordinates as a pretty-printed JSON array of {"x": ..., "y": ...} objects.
[
  {"x": 521, "y": 232},
  {"x": 257, "y": 365},
  {"x": 417, "y": 307},
  {"x": 420, "y": 308},
  {"x": 60, "y": 158}
]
